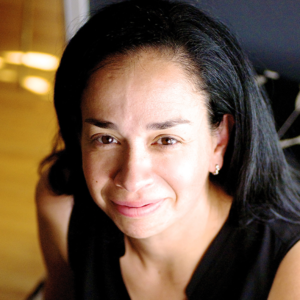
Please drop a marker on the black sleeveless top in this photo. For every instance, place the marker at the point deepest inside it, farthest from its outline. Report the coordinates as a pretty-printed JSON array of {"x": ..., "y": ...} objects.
[{"x": 240, "y": 264}]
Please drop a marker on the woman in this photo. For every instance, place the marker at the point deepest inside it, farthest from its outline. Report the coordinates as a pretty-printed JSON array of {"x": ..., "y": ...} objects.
[{"x": 171, "y": 183}]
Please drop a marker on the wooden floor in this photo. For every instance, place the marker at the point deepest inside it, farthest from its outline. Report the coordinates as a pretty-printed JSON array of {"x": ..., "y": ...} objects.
[{"x": 27, "y": 126}]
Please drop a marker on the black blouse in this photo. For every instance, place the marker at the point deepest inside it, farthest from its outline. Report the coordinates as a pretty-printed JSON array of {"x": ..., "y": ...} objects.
[{"x": 240, "y": 264}]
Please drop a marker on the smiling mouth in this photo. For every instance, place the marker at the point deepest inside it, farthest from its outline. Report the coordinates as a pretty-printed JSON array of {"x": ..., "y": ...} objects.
[{"x": 134, "y": 211}]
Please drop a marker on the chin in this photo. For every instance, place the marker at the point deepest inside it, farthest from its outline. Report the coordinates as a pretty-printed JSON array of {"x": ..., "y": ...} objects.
[{"x": 139, "y": 229}]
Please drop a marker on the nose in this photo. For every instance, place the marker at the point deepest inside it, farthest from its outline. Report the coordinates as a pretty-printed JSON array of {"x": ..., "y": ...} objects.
[{"x": 134, "y": 172}]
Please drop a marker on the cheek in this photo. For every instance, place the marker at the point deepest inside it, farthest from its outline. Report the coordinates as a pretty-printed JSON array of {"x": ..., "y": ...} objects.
[
  {"x": 89, "y": 165},
  {"x": 187, "y": 172},
  {"x": 97, "y": 169}
]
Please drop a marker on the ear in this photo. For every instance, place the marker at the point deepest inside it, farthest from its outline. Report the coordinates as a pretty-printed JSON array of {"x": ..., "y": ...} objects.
[{"x": 221, "y": 139}]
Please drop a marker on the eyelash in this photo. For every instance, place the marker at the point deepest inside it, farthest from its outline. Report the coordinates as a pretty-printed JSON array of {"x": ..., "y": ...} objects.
[
  {"x": 98, "y": 139},
  {"x": 173, "y": 142}
]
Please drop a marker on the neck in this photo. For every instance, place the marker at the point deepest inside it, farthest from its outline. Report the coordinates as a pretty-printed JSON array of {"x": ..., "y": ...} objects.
[{"x": 168, "y": 250}]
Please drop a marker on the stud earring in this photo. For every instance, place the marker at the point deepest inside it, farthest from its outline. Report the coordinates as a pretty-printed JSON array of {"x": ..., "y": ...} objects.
[{"x": 217, "y": 170}]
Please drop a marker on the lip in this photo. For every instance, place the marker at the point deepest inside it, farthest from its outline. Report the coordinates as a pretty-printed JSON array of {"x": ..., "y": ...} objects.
[{"x": 136, "y": 210}]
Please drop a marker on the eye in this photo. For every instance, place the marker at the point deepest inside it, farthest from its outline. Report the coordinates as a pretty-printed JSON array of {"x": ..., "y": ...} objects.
[
  {"x": 167, "y": 141},
  {"x": 106, "y": 140}
]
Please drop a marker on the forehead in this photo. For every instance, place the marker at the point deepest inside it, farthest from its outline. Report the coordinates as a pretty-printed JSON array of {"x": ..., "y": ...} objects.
[{"x": 146, "y": 82}]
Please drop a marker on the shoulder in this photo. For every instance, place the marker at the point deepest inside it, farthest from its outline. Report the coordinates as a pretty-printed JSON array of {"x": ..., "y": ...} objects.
[
  {"x": 287, "y": 278},
  {"x": 286, "y": 282},
  {"x": 54, "y": 213},
  {"x": 287, "y": 232}
]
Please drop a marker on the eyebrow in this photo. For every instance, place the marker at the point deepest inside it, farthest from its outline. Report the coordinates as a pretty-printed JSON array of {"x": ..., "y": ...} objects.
[
  {"x": 152, "y": 126},
  {"x": 101, "y": 124},
  {"x": 167, "y": 124}
]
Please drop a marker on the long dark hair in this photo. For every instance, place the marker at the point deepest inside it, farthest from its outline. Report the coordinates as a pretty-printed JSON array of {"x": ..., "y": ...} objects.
[{"x": 255, "y": 171}]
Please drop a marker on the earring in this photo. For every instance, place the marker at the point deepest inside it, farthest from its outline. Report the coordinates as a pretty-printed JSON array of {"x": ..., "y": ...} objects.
[{"x": 217, "y": 170}]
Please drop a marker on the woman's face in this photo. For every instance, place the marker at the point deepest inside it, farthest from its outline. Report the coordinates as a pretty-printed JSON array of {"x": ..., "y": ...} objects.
[{"x": 147, "y": 148}]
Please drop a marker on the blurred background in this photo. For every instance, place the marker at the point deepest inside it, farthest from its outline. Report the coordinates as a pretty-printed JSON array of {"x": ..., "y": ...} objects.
[
  {"x": 33, "y": 34},
  {"x": 32, "y": 37}
]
